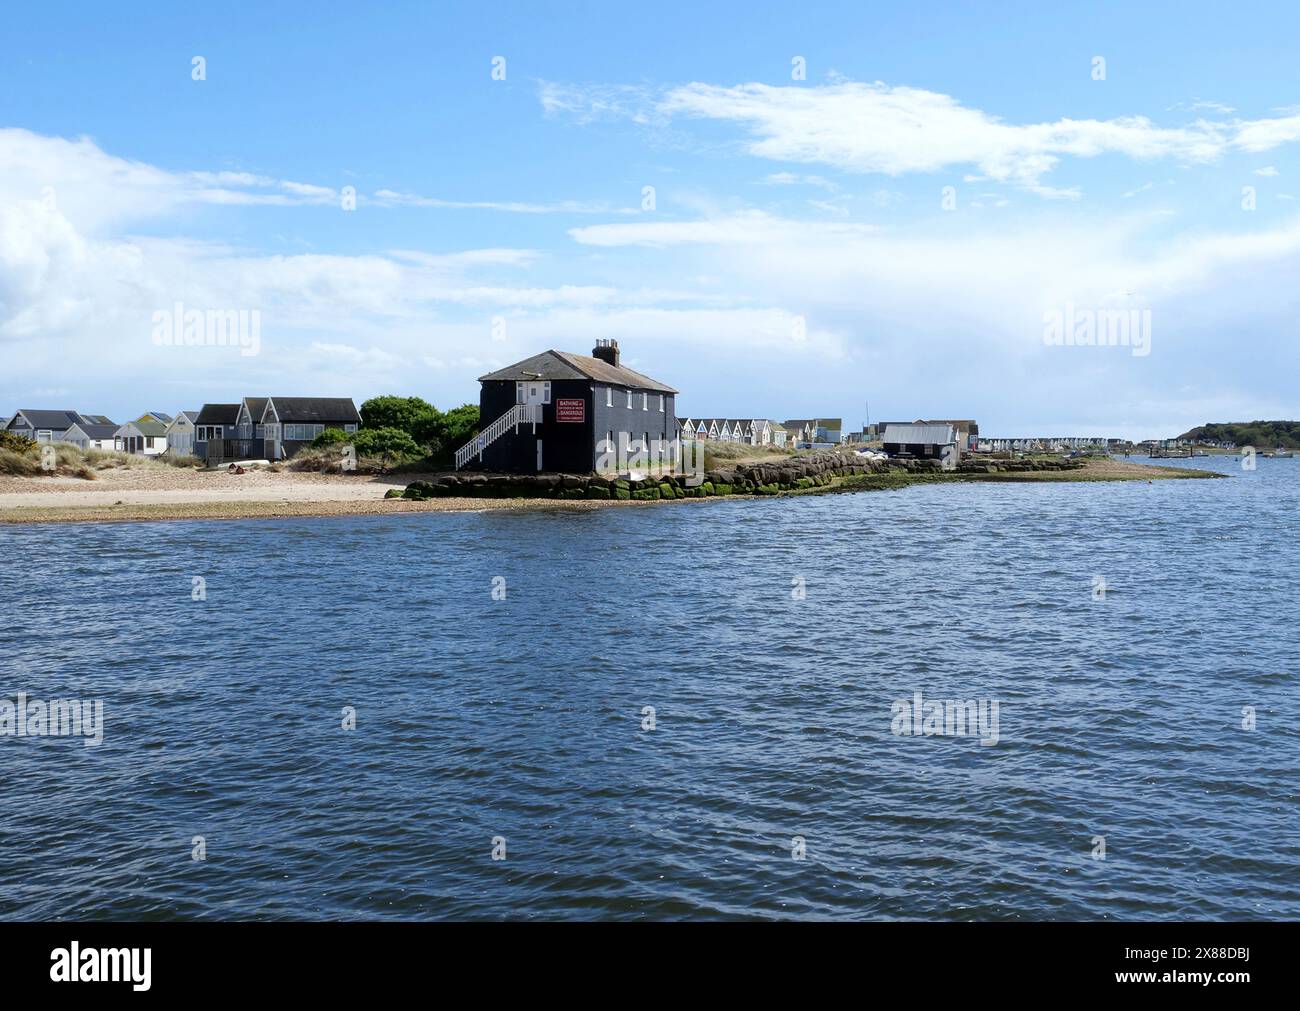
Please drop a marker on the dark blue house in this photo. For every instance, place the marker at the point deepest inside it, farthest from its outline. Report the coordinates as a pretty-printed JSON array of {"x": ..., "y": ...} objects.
[{"x": 556, "y": 410}]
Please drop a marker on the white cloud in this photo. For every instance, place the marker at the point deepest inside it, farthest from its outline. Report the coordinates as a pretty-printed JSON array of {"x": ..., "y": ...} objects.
[
  {"x": 895, "y": 130},
  {"x": 1265, "y": 134},
  {"x": 96, "y": 190},
  {"x": 1268, "y": 171}
]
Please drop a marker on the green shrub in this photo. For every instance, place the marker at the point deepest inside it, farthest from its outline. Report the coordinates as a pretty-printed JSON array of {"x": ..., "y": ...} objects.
[
  {"x": 385, "y": 443},
  {"x": 437, "y": 433},
  {"x": 330, "y": 437},
  {"x": 400, "y": 413},
  {"x": 445, "y": 432},
  {"x": 16, "y": 443}
]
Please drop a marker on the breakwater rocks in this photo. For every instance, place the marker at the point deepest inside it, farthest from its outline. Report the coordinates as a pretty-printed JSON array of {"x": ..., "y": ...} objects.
[
  {"x": 980, "y": 466},
  {"x": 805, "y": 472}
]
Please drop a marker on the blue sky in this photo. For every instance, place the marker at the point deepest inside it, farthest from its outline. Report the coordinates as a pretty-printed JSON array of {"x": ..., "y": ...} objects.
[{"x": 798, "y": 260}]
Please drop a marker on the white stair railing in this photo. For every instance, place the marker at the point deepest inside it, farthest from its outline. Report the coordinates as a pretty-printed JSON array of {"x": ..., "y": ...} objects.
[{"x": 520, "y": 414}]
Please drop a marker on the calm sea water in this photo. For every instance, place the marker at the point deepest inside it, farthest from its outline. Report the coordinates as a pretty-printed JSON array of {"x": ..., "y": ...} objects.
[{"x": 523, "y": 718}]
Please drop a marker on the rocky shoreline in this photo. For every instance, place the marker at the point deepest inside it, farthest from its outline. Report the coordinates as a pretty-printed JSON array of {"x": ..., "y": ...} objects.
[{"x": 807, "y": 472}]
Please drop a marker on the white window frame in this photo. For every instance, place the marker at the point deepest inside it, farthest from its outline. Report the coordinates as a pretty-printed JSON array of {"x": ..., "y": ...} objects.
[
  {"x": 645, "y": 401},
  {"x": 546, "y": 391},
  {"x": 629, "y": 400},
  {"x": 609, "y": 396},
  {"x": 661, "y": 403}
]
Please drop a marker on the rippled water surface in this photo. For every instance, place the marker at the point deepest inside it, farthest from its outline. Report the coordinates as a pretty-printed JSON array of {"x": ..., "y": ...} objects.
[{"x": 522, "y": 718}]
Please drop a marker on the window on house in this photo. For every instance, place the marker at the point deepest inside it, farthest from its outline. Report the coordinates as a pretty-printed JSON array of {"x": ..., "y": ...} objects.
[
  {"x": 661, "y": 403},
  {"x": 629, "y": 400},
  {"x": 349, "y": 428},
  {"x": 519, "y": 393},
  {"x": 302, "y": 433},
  {"x": 609, "y": 396},
  {"x": 546, "y": 392},
  {"x": 645, "y": 401}
]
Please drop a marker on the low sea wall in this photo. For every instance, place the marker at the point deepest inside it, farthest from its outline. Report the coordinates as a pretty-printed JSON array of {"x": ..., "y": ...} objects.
[{"x": 805, "y": 472}]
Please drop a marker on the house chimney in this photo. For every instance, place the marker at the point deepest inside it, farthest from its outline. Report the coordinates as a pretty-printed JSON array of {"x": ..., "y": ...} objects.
[{"x": 606, "y": 350}]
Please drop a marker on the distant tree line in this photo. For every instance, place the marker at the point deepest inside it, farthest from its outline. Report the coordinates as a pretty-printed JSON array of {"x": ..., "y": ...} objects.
[{"x": 1261, "y": 434}]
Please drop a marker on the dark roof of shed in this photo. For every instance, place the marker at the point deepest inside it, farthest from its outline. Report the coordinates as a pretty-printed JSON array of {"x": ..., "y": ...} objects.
[
  {"x": 315, "y": 409},
  {"x": 98, "y": 431},
  {"x": 256, "y": 408},
  {"x": 55, "y": 420},
  {"x": 218, "y": 414},
  {"x": 563, "y": 365}
]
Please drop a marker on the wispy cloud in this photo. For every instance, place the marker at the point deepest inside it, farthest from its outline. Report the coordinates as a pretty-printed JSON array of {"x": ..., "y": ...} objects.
[
  {"x": 798, "y": 179},
  {"x": 751, "y": 228},
  {"x": 392, "y": 198},
  {"x": 897, "y": 130}
]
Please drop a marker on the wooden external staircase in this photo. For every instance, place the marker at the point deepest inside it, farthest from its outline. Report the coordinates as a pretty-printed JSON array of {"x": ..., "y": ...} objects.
[{"x": 520, "y": 414}]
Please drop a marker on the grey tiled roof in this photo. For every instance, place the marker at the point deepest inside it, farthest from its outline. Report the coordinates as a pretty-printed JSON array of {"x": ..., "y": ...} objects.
[
  {"x": 56, "y": 421},
  {"x": 218, "y": 414},
  {"x": 563, "y": 365},
  {"x": 296, "y": 410}
]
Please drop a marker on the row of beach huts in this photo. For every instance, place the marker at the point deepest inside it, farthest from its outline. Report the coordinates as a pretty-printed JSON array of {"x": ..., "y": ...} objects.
[{"x": 270, "y": 428}]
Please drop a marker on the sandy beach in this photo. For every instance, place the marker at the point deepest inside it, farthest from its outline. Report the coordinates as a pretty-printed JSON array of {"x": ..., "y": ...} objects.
[{"x": 169, "y": 493}]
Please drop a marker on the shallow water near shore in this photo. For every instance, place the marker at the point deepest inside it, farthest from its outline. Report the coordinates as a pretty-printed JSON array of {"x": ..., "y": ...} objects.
[{"x": 522, "y": 718}]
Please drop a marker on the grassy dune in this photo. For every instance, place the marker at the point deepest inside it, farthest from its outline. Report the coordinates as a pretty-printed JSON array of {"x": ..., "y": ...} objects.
[{"x": 70, "y": 461}]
